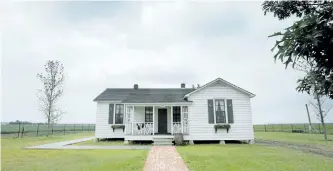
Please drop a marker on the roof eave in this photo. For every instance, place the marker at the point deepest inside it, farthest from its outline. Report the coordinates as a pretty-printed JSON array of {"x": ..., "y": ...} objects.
[{"x": 220, "y": 79}]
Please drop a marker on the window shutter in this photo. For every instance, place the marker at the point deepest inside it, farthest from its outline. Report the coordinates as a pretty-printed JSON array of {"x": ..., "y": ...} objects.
[
  {"x": 230, "y": 111},
  {"x": 111, "y": 113},
  {"x": 210, "y": 111}
]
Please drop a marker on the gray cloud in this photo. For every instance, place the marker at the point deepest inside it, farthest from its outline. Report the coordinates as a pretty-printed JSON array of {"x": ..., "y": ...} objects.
[{"x": 114, "y": 44}]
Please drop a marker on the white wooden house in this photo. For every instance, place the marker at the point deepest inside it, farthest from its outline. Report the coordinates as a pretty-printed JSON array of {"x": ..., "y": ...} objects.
[{"x": 218, "y": 110}]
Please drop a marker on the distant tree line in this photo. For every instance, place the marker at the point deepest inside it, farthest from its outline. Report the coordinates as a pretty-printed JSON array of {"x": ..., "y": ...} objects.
[{"x": 24, "y": 122}]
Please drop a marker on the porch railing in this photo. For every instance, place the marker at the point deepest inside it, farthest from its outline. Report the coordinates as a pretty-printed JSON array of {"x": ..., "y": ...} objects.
[
  {"x": 177, "y": 127},
  {"x": 143, "y": 128}
]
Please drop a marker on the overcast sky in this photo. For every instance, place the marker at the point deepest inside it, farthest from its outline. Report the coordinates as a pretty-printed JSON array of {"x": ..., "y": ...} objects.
[{"x": 116, "y": 44}]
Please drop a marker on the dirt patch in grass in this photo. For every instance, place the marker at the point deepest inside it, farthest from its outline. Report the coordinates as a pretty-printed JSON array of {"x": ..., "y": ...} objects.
[{"x": 303, "y": 147}]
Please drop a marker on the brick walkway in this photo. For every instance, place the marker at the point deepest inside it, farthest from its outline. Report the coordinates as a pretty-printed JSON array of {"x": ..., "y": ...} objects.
[{"x": 164, "y": 158}]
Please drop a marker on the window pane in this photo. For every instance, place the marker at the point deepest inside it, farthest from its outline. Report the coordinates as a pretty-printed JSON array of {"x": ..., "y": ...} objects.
[
  {"x": 119, "y": 119},
  {"x": 148, "y": 114},
  {"x": 176, "y": 114},
  {"x": 119, "y": 114},
  {"x": 220, "y": 111}
]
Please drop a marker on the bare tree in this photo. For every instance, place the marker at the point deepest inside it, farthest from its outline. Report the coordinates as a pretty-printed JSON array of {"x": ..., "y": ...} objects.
[
  {"x": 308, "y": 67},
  {"x": 52, "y": 80}
]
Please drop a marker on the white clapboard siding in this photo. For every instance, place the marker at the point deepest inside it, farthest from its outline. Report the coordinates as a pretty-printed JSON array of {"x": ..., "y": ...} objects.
[
  {"x": 200, "y": 129},
  {"x": 139, "y": 114},
  {"x": 103, "y": 128}
]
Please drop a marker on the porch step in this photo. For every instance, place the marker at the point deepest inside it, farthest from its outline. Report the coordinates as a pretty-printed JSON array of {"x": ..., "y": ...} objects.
[
  {"x": 162, "y": 141},
  {"x": 163, "y": 144}
]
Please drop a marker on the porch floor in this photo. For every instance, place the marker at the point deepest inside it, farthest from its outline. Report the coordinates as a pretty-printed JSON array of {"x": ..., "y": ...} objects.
[{"x": 146, "y": 137}]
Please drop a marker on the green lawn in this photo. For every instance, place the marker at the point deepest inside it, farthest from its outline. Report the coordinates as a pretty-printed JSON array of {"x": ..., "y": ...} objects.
[
  {"x": 290, "y": 127},
  {"x": 297, "y": 138},
  {"x": 243, "y": 157},
  {"x": 31, "y": 129},
  {"x": 231, "y": 157},
  {"x": 14, "y": 158}
]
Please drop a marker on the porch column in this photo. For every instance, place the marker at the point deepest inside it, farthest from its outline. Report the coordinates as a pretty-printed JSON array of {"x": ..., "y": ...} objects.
[
  {"x": 172, "y": 120},
  {"x": 133, "y": 121},
  {"x": 153, "y": 120},
  {"x": 125, "y": 120},
  {"x": 181, "y": 119}
]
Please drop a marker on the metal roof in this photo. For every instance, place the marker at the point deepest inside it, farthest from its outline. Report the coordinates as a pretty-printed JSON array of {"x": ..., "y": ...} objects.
[
  {"x": 157, "y": 95},
  {"x": 144, "y": 95}
]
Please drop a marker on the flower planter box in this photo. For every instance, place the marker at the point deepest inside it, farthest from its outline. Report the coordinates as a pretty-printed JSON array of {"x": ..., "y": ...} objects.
[
  {"x": 118, "y": 127},
  {"x": 222, "y": 126}
]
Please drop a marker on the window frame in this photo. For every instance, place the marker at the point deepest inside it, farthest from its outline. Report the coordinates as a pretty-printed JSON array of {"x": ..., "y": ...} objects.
[
  {"x": 174, "y": 114},
  {"x": 225, "y": 109},
  {"x": 147, "y": 114},
  {"x": 115, "y": 113}
]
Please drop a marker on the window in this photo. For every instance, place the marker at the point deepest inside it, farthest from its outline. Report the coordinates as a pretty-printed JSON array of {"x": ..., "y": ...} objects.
[
  {"x": 220, "y": 116},
  {"x": 119, "y": 114},
  {"x": 148, "y": 114},
  {"x": 176, "y": 114}
]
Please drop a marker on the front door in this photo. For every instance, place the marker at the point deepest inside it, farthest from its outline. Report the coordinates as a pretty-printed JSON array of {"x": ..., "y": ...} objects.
[{"x": 162, "y": 121}]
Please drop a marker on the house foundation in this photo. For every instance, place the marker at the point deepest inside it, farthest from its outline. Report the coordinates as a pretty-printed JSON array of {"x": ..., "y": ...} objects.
[{"x": 251, "y": 142}]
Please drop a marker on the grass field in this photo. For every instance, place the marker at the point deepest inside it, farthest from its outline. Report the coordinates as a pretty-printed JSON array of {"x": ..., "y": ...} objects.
[
  {"x": 290, "y": 127},
  {"x": 32, "y": 129},
  {"x": 230, "y": 157},
  {"x": 251, "y": 158},
  {"x": 297, "y": 138},
  {"x": 14, "y": 158}
]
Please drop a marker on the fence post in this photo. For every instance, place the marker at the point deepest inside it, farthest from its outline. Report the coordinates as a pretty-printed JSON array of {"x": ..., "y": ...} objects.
[
  {"x": 265, "y": 128},
  {"x": 74, "y": 127},
  {"x": 65, "y": 129},
  {"x": 37, "y": 129},
  {"x": 319, "y": 128},
  {"x": 292, "y": 127},
  {"x": 18, "y": 133},
  {"x": 22, "y": 130},
  {"x": 273, "y": 127},
  {"x": 304, "y": 128},
  {"x": 82, "y": 128},
  {"x": 52, "y": 129}
]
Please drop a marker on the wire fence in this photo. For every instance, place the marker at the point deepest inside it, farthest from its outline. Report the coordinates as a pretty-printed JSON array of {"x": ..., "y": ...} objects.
[
  {"x": 316, "y": 128},
  {"x": 38, "y": 129}
]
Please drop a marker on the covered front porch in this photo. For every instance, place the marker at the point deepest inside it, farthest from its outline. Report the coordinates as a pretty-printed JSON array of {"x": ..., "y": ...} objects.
[{"x": 145, "y": 121}]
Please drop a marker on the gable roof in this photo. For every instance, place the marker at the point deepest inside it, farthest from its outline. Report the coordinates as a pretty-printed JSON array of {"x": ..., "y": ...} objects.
[
  {"x": 223, "y": 81},
  {"x": 144, "y": 95},
  {"x": 157, "y": 95}
]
